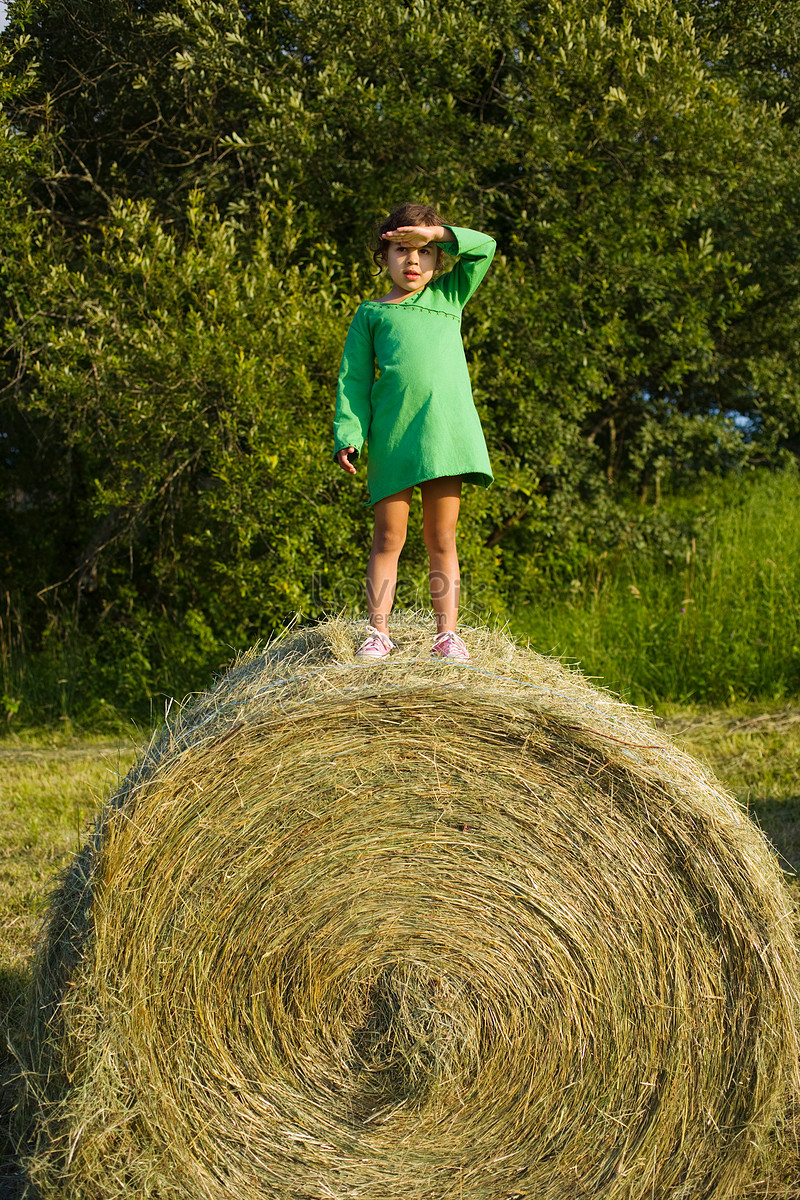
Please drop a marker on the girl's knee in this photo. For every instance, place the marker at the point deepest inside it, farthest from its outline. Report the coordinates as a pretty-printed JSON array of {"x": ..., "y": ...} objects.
[
  {"x": 439, "y": 541},
  {"x": 388, "y": 541}
]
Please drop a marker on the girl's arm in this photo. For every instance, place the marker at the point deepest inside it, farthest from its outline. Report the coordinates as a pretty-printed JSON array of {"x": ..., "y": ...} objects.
[
  {"x": 418, "y": 235},
  {"x": 353, "y": 395},
  {"x": 475, "y": 253}
]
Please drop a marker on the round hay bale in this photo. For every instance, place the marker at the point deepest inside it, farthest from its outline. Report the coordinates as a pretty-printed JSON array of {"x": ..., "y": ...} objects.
[{"x": 412, "y": 930}]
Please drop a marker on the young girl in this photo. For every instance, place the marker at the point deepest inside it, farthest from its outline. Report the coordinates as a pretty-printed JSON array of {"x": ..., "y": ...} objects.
[{"x": 416, "y": 413}]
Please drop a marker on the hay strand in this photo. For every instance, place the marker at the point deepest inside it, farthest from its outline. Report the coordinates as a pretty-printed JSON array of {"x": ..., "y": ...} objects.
[{"x": 411, "y": 930}]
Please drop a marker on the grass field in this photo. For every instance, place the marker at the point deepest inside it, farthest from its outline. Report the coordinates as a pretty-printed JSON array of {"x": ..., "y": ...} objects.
[
  {"x": 49, "y": 789},
  {"x": 714, "y": 620}
]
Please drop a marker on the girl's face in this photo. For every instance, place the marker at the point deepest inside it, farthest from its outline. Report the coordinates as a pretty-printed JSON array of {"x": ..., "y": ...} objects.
[{"x": 411, "y": 269}]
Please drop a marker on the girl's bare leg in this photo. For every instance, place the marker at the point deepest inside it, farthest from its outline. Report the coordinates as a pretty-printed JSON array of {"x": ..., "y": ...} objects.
[
  {"x": 441, "y": 499},
  {"x": 391, "y": 522}
]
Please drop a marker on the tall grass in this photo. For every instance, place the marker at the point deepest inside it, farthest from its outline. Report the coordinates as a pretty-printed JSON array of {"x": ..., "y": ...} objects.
[{"x": 718, "y": 623}]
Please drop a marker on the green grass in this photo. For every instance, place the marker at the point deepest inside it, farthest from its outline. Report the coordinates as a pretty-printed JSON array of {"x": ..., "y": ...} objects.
[
  {"x": 47, "y": 796},
  {"x": 717, "y": 623}
]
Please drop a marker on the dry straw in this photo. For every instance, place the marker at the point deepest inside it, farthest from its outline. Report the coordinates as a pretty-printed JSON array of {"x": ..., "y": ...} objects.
[{"x": 411, "y": 930}]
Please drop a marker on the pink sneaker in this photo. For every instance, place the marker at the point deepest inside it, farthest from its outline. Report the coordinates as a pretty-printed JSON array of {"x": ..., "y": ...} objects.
[
  {"x": 376, "y": 646},
  {"x": 449, "y": 645}
]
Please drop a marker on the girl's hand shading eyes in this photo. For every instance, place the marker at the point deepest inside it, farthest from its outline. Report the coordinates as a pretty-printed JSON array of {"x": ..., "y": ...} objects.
[{"x": 415, "y": 236}]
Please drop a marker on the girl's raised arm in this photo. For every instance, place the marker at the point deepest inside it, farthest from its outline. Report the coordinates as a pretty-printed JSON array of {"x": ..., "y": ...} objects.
[{"x": 475, "y": 252}]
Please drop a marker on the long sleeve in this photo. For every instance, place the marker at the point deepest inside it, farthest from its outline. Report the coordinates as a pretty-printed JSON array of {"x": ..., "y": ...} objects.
[
  {"x": 475, "y": 251},
  {"x": 356, "y": 376}
]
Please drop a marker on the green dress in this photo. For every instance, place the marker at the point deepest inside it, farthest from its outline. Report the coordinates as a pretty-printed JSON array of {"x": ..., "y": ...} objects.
[{"x": 404, "y": 387}]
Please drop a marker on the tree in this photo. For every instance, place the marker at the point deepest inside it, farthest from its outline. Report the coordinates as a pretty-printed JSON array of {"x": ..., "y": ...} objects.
[
  {"x": 23, "y": 503},
  {"x": 216, "y": 168}
]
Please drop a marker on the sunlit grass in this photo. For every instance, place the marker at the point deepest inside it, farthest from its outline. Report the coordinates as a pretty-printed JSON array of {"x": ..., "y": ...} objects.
[
  {"x": 47, "y": 797},
  {"x": 718, "y": 624}
]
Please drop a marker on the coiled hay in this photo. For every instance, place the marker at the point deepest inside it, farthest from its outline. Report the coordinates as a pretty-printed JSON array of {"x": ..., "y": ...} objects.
[{"x": 412, "y": 930}]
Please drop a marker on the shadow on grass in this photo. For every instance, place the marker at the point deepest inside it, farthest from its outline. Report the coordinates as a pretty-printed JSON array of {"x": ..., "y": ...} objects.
[
  {"x": 12, "y": 1183},
  {"x": 13, "y": 985},
  {"x": 779, "y": 821}
]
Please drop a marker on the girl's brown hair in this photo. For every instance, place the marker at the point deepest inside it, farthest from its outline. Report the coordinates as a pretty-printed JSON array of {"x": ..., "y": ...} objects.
[{"x": 404, "y": 214}]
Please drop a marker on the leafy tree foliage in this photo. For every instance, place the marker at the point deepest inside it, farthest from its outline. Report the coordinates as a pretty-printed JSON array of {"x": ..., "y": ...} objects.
[{"x": 212, "y": 170}]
